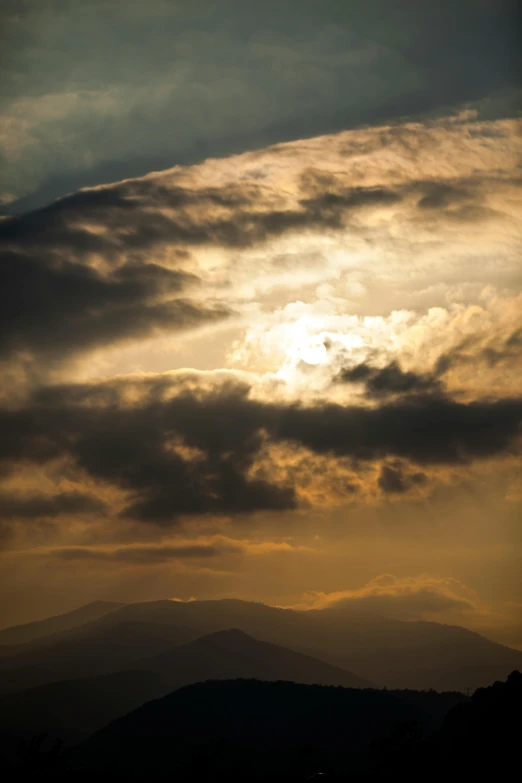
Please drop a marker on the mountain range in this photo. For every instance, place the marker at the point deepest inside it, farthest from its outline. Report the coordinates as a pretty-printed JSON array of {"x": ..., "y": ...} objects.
[
  {"x": 384, "y": 651},
  {"x": 171, "y": 687},
  {"x": 72, "y": 709}
]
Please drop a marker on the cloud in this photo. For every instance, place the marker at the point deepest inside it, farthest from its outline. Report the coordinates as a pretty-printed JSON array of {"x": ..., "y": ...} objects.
[
  {"x": 410, "y": 598},
  {"x": 53, "y": 311},
  {"x": 183, "y": 451},
  {"x": 360, "y": 290},
  {"x": 424, "y": 597},
  {"x": 180, "y": 249},
  {"x": 474, "y": 349},
  {"x": 159, "y": 555},
  {"x": 425, "y": 430},
  {"x": 389, "y": 380},
  {"x": 140, "y": 215},
  {"x": 136, "y": 448},
  {"x": 395, "y": 480},
  {"x": 439, "y": 195},
  {"x": 14, "y": 506},
  {"x": 346, "y": 242},
  {"x": 146, "y": 556},
  {"x": 75, "y": 275}
]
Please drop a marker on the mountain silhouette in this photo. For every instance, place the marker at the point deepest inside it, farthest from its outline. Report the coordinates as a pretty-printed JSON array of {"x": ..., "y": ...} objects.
[
  {"x": 247, "y": 729},
  {"x": 385, "y": 651},
  {"x": 20, "y": 634},
  {"x": 233, "y": 654},
  {"x": 92, "y": 650},
  {"x": 482, "y": 736},
  {"x": 418, "y": 655},
  {"x": 71, "y": 709},
  {"x": 479, "y": 740}
]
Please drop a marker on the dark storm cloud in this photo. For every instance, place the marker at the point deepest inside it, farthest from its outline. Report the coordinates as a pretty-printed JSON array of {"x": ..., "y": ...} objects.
[
  {"x": 423, "y": 429},
  {"x": 27, "y": 506},
  {"x": 389, "y": 380},
  {"x": 135, "y": 449},
  {"x": 130, "y": 213},
  {"x": 59, "y": 309},
  {"x": 195, "y": 453},
  {"x": 131, "y": 221}
]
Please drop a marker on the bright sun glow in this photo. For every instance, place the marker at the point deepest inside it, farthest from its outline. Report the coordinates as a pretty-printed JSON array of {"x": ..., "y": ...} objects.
[
  {"x": 305, "y": 342},
  {"x": 313, "y": 351}
]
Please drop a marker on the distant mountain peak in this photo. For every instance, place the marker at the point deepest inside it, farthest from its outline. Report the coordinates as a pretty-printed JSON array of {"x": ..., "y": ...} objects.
[
  {"x": 230, "y": 634},
  {"x": 232, "y": 653}
]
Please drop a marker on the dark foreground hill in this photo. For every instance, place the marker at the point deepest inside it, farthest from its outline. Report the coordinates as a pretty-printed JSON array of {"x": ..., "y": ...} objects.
[
  {"x": 73, "y": 709},
  {"x": 249, "y": 729},
  {"x": 70, "y": 710},
  {"x": 479, "y": 740},
  {"x": 385, "y": 651}
]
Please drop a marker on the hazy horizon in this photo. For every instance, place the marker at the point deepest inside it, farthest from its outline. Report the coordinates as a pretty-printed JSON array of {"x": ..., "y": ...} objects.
[{"x": 351, "y": 609}]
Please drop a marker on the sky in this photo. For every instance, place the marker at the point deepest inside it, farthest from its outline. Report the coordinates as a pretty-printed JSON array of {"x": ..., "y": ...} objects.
[{"x": 261, "y": 306}]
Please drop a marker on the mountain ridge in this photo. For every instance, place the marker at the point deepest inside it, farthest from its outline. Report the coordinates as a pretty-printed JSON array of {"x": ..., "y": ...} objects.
[
  {"x": 80, "y": 706},
  {"x": 383, "y": 650},
  {"x": 247, "y": 658},
  {"x": 283, "y": 728},
  {"x": 27, "y": 632}
]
